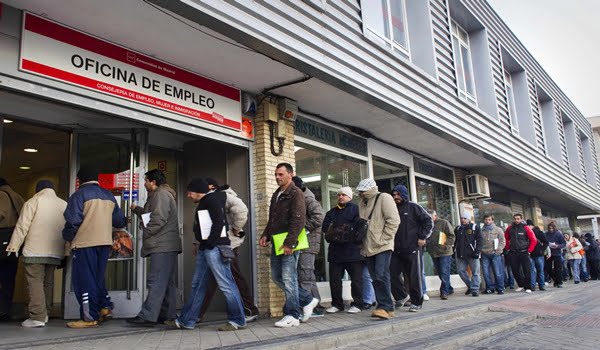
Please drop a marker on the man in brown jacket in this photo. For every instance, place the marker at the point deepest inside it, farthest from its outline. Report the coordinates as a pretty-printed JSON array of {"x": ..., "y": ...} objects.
[
  {"x": 439, "y": 246},
  {"x": 287, "y": 213},
  {"x": 380, "y": 210},
  {"x": 10, "y": 207}
]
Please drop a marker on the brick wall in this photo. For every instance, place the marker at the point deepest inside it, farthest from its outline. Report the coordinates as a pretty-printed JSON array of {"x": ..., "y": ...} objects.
[{"x": 270, "y": 297}]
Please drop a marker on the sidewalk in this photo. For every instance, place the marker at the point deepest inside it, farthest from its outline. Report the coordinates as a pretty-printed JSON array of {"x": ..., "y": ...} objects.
[{"x": 456, "y": 323}]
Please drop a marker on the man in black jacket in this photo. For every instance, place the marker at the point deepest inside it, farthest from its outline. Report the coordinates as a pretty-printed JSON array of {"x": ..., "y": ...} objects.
[
  {"x": 213, "y": 258},
  {"x": 415, "y": 227},
  {"x": 537, "y": 257},
  {"x": 468, "y": 251}
]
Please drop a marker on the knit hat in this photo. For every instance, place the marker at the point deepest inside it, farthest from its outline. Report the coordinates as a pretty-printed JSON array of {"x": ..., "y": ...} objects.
[
  {"x": 466, "y": 215},
  {"x": 365, "y": 185},
  {"x": 529, "y": 222},
  {"x": 213, "y": 182},
  {"x": 402, "y": 190},
  {"x": 198, "y": 185},
  {"x": 346, "y": 191},
  {"x": 43, "y": 184},
  {"x": 87, "y": 174}
]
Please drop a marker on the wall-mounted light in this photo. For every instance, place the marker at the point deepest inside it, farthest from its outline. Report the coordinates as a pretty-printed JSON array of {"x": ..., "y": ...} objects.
[
  {"x": 7, "y": 121},
  {"x": 30, "y": 150},
  {"x": 24, "y": 167}
]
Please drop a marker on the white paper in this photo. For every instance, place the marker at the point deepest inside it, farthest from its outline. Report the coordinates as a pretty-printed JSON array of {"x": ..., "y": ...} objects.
[
  {"x": 146, "y": 219},
  {"x": 496, "y": 242},
  {"x": 205, "y": 223}
]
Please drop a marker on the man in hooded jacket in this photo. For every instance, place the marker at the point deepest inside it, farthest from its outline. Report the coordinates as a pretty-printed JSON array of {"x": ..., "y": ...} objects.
[
  {"x": 468, "y": 252},
  {"x": 414, "y": 229}
]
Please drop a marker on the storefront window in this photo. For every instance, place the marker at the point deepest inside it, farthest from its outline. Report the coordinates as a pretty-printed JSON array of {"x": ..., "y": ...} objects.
[
  {"x": 503, "y": 213},
  {"x": 388, "y": 174},
  {"x": 324, "y": 173}
]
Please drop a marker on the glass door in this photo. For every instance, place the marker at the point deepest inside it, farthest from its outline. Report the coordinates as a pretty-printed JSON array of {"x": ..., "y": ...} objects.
[{"x": 120, "y": 155}]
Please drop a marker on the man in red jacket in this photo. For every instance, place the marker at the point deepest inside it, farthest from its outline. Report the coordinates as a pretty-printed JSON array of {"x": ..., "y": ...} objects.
[{"x": 520, "y": 242}]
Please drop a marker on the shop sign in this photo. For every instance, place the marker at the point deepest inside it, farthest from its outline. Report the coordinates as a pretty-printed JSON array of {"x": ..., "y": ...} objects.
[
  {"x": 52, "y": 50},
  {"x": 316, "y": 131},
  {"x": 427, "y": 168}
]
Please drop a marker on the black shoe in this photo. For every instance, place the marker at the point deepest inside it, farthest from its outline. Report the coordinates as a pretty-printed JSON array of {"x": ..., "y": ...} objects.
[
  {"x": 542, "y": 288},
  {"x": 140, "y": 322},
  {"x": 559, "y": 286},
  {"x": 488, "y": 291},
  {"x": 475, "y": 294},
  {"x": 500, "y": 292},
  {"x": 468, "y": 292},
  {"x": 576, "y": 282},
  {"x": 585, "y": 280}
]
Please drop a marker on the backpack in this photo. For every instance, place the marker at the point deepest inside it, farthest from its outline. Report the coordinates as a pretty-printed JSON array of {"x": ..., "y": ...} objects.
[{"x": 361, "y": 226}]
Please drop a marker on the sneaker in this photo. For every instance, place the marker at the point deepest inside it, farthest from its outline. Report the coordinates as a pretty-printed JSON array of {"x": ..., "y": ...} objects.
[
  {"x": 559, "y": 286},
  {"x": 475, "y": 294},
  {"x": 175, "y": 324},
  {"x": 140, "y": 322},
  {"x": 576, "y": 282},
  {"x": 542, "y": 289},
  {"x": 527, "y": 290},
  {"x": 308, "y": 309},
  {"x": 468, "y": 291},
  {"x": 500, "y": 292},
  {"x": 520, "y": 289},
  {"x": 287, "y": 321},
  {"x": 425, "y": 297},
  {"x": 367, "y": 306},
  {"x": 251, "y": 318},
  {"x": 381, "y": 313},
  {"x": 444, "y": 296},
  {"x": 415, "y": 308},
  {"x": 82, "y": 324},
  {"x": 318, "y": 312},
  {"x": 402, "y": 302},
  {"x": 332, "y": 310},
  {"x": 230, "y": 326},
  {"x": 105, "y": 314},
  {"x": 488, "y": 291},
  {"x": 353, "y": 310},
  {"x": 29, "y": 323}
]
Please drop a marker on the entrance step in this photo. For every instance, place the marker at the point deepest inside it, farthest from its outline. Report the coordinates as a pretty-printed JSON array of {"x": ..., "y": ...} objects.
[{"x": 444, "y": 330}]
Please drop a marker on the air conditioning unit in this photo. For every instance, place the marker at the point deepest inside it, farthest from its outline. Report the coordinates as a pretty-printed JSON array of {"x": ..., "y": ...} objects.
[{"x": 477, "y": 186}]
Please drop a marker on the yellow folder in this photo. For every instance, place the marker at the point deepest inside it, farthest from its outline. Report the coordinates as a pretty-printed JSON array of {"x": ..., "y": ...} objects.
[
  {"x": 442, "y": 238},
  {"x": 279, "y": 238}
]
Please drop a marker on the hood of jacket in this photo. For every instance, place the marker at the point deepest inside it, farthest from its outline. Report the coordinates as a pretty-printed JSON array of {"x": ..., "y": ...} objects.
[
  {"x": 370, "y": 193},
  {"x": 403, "y": 191},
  {"x": 229, "y": 191},
  {"x": 168, "y": 188}
]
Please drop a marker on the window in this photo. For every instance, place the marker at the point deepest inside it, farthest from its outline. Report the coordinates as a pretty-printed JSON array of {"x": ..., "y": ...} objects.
[
  {"x": 588, "y": 159},
  {"x": 386, "y": 19},
  {"x": 572, "y": 148},
  {"x": 463, "y": 63},
  {"x": 510, "y": 99},
  {"x": 550, "y": 123}
]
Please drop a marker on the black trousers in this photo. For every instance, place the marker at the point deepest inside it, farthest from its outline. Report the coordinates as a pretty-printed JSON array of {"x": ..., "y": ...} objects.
[
  {"x": 336, "y": 272},
  {"x": 8, "y": 272},
  {"x": 594, "y": 269},
  {"x": 409, "y": 266},
  {"x": 521, "y": 268}
]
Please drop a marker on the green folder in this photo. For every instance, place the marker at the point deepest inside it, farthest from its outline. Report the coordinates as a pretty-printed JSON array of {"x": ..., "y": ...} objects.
[{"x": 279, "y": 238}]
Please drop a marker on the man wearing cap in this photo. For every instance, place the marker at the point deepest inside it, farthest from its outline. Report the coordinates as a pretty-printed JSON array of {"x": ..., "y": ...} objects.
[
  {"x": 520, "y": 242},
  {"x": 343, "y": 252},
  {"x": 90, "y": 215},
  {"x": 236, "y": 213},
  {"x": 39, "y": 231},
  {"x": 306, "y": 260},
  {"x": 468, "y": 251},
  {"x": 287, "y": 213},
  {"x": 414, "y": 229},
  {"x": 213, "y": 259},
  {"x": 380, "y": 210},
  {"x": 161, "y": 244},
  {"x": 10, "y": 207},
  {"x": 537, "y": 257}
]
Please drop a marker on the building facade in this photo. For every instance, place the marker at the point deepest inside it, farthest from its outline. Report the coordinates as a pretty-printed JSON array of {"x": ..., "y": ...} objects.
[{"x": 438, "y": 95}]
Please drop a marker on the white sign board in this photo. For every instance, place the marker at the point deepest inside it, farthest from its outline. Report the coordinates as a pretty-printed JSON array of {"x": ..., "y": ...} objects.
[{"x": 55, "y": 51}]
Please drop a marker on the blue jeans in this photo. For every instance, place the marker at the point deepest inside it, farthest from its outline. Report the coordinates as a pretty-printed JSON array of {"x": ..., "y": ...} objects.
[
  {"x": 379, "y": 268},
  {"x": 497, "y": 269},
  {"x": 368, "y": 291},
  {"x": 584, "y": 270},
  {"x": 284, "y": 272},
  {"x": 471, "y": 282},
  {"x": 537, "y": 269},
  {"x": 209, "y": 263},
  {"x": 442, "y": 267},
  {"x": 576, "y": 264}
]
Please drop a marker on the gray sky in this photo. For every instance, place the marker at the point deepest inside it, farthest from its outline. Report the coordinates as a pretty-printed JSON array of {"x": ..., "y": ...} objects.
[{"x": 564, "y": 37}]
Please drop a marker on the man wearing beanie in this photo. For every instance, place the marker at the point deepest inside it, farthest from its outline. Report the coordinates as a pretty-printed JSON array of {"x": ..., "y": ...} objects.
[
  {"x": 39, "y": 232},
  {"x": 306, "y": 260},
  {"x": 343, "y": 252},
  {"x": 287, "y": 213},
  {"x": 380, "y": 211},
  {"x": 415, "y": 227},
  {"x": 537, "y": 257},
  {"x": 520, "y": 242},
  {"x": 212, "y": 260},
  {"x": 468, "y": 251},
  {"x": 90, "y": 215}
]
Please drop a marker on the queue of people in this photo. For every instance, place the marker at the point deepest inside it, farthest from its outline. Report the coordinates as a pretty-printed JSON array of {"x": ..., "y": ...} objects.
[{"x": 379, "y": 242}]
